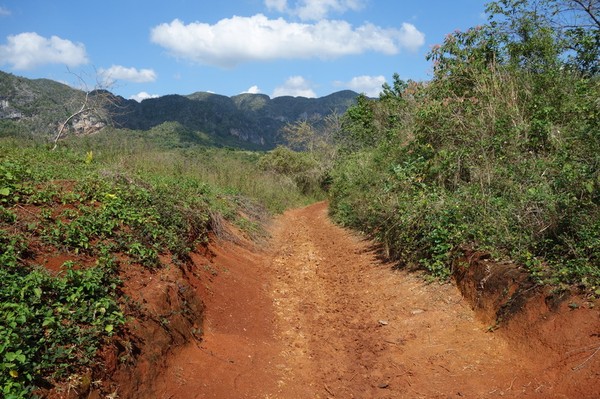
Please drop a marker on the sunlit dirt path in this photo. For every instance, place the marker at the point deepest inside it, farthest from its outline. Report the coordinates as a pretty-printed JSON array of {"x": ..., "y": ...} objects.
[{"x": 317, "y": 315}]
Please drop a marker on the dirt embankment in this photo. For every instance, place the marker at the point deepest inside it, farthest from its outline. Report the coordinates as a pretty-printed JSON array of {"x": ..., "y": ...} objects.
[{"x": 317, "y": 315}]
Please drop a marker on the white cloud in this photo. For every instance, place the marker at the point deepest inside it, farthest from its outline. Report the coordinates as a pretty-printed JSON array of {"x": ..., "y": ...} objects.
[
  {"x": 295, "y": 86},
  {"x": 277, "y": 5},
  {"x": 142, "y": 96},
  {"x": 29, "y": 50},
  {"x": 4, "y": 11},
  {"x": 318, "y": 9},
  {"x": 235, "y": 40},
  {"x": 252, "y": 90},
  {"x": 369, "y": 85},
  {"x": 314, "y": 10},
  {"x": 410, "y": 37},
  {"x": 118, "y": 72}
]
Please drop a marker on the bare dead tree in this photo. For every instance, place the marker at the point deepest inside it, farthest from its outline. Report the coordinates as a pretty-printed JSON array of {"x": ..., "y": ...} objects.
[{"x": 97, "y": 105}]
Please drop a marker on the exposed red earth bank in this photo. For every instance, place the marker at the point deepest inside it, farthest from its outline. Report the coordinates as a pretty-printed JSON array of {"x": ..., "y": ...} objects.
[{"x": 315, "y": 313}]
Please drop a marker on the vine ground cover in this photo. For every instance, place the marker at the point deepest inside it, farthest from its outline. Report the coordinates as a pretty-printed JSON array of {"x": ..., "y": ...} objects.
[{"x": 90, "y": 212}]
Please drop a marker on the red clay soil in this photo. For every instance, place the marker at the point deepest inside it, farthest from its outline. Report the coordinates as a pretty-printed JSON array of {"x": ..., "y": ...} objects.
[{"x": 317, "y": 315}]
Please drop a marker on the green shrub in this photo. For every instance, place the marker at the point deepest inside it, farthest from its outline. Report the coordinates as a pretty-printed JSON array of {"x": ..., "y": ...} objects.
[
  {"x": 500, "y": 152},
  {"x": 304, "y": 170}
]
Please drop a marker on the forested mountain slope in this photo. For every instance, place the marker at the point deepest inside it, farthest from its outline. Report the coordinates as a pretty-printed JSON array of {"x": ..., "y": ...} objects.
[{"x": 247, "y": 120}]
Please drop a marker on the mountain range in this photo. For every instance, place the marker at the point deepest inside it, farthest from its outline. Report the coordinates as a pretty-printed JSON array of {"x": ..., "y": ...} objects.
[{"x": 39, "y": 106}]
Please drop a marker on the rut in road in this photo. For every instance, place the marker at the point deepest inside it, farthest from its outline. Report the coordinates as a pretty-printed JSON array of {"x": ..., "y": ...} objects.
[
  {"x": 319, "y": 316},
  {"x": 355, "y": 328}
]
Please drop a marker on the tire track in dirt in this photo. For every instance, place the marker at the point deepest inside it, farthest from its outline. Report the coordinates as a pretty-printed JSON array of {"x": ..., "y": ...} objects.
[
  {"x": 354, "y": 328},
  {"x": 317, "y": 315}
]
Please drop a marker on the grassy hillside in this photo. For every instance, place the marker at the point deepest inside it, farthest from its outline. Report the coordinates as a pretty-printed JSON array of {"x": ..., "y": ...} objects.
[{"x": 92, "y": 206}]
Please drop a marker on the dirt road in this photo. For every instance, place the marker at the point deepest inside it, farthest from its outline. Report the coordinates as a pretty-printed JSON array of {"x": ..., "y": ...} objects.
[{"x": 317, "y": 315}]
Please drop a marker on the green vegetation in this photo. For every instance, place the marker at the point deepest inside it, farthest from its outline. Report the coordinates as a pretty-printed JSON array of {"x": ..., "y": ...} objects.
[
  {"x": 500, "y": 151},
  {"x": 251, "y": 121},
  {"x": 235, "y": 172},
  {"x": 51, "y": 325},
  {"x": 308, "y": 156},
  {"x": 91, "y": 205},
  {"x": 42, "y": 103},
  {"x": 301, "y": 167}
]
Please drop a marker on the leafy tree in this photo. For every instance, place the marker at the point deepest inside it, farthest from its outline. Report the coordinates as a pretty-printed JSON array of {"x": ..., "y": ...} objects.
[
  {"x": 396, "y": 91},
  {"x": 372, "y": 122},
  {"x": 358, "y": 130},
  {"x": 539, "y": 30}
]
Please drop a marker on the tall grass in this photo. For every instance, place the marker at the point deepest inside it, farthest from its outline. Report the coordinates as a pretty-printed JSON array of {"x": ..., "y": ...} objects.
[{"x": 233, "y": 172}]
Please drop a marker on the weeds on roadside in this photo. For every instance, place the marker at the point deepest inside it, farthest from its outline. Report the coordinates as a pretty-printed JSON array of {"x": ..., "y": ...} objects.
[{"x": 112, "y": 207}]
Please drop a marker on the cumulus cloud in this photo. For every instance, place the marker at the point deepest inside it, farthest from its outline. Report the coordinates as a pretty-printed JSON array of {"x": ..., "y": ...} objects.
[
  {"x": 314, "y": 10},
  {"x": 142, "y": 95},
  {"x": 369, "y": 85},
  {"x": 410, "y": 37},
  {"x": 29, "y": 50},
  {"x": 252, "y": 90},
  {"x": 295, "y": 86},
  {"x": 118, "y": 72},
  {"x": 235, "y": 40}
]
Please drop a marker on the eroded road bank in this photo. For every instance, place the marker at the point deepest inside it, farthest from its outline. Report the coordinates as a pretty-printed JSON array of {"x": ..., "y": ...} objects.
[{"x": 317, "y": 315}]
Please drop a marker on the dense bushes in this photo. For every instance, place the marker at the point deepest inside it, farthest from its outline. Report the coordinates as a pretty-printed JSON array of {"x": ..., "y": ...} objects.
[
  {"x": 301, "y": 167},
  {"x": 501, "y": 150}
]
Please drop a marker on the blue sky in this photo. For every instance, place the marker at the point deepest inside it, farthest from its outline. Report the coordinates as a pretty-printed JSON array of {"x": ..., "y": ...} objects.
[{"x": 310, "y": 48}]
